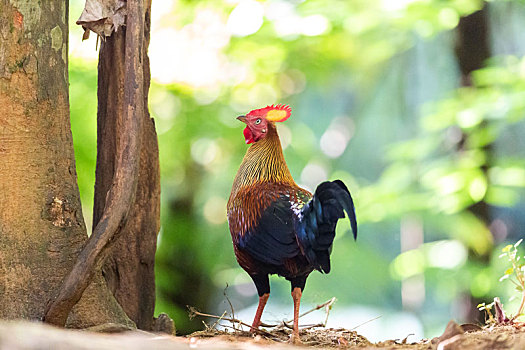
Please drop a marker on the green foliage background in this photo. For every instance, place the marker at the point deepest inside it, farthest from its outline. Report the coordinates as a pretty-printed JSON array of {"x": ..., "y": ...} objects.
[{"x": 385, "y": 74}]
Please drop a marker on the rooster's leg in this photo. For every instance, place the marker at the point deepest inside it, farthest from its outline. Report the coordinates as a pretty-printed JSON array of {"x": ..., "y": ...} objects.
[
  {"x": 297, "y": 291},
  {"x": 296, "y": 295},
  {"x": 257, "y": 319},
  {"x": 262, "y": 283}
]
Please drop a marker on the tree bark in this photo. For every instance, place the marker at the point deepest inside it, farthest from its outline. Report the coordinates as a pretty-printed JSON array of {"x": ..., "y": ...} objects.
[
  {"x": 41, "y": 224},
  {"x": 472, "y": 51},
  {"x": 121, "y": 193},
  {"x": 129, "y": 270}
]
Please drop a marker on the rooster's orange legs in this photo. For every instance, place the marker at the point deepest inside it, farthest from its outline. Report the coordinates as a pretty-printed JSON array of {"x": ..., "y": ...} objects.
[
  {"x": 296, "y": 295},
  {"x": 257, "y": 320}
]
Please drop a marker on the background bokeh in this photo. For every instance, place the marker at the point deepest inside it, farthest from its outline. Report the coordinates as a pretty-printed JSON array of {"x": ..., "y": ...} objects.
[{"x": 377, "y": 102}]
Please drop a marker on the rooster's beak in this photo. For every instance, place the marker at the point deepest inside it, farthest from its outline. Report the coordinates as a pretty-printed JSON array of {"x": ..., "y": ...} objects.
[{"x": 242, "y": 118}]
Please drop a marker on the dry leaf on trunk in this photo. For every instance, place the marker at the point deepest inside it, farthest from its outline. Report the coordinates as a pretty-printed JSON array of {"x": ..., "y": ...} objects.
[{"x": 102, "y": 17}]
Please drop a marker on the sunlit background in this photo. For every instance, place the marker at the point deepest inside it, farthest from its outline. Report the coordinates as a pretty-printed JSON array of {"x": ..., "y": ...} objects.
[{"x": 376, "y": 98}]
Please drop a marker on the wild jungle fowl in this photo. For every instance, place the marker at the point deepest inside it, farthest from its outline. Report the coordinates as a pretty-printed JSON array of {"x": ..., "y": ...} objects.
[{"x": 276, "y": 226}]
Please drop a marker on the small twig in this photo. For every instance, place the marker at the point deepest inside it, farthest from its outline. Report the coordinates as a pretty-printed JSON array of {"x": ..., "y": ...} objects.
[
  {"x": 206, "y": 326},
  {"x": 267, "y": 334},
  {"x": 404, "y": 341},
  {"x": 362, "y": 324},
  {"x": 522, "y": 304},
  {"x": 327, "y": 308},
  {"x": 194, "y": 313},
  {"x": 310, "y": 326},
  {"x": 284, "y": 324},
  {"x": 229, "y": 302},
  {"x": 218, "y": 320},
  {"x": 232, "y": 327},
  {"x": 327, "y": 305}
]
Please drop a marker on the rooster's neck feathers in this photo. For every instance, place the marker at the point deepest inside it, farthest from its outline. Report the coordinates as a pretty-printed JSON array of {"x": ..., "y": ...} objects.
[{"x": 263, "y": 162}]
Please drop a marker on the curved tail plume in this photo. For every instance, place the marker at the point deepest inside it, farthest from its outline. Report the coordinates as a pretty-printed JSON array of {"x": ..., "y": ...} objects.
[{"x": 318, "y": 219}]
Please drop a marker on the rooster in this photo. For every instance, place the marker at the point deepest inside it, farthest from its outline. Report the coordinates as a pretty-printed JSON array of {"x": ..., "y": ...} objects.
[{"x": 276, "y": 226}]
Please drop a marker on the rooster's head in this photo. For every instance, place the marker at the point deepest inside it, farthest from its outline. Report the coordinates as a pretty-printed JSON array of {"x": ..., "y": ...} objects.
[{"x": 260, "y": 120}]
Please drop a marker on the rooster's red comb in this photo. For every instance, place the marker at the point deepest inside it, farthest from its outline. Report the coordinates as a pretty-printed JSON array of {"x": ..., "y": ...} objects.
[{"x": 273, "y": 113}]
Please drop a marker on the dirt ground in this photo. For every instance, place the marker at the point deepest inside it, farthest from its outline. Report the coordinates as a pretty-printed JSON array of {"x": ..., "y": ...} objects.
[
  {"x": 24, "y": 335},
  {"x": 454, "y": 336}
]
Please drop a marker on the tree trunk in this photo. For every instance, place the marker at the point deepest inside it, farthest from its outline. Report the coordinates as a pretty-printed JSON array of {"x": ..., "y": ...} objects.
[
  {"x": 472, "y": 50},
  {"x": 129, "y": 268},
  {"x": 41, "y": 225}
]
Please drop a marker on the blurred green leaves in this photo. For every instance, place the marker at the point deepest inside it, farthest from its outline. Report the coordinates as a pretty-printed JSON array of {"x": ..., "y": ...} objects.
[
  {"x": 442, "y": 172},
  {"x": 366, "y": 110}
]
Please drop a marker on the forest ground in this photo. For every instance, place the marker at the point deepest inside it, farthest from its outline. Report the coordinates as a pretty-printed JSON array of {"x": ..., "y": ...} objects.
[{"x": 24, "y": 335}]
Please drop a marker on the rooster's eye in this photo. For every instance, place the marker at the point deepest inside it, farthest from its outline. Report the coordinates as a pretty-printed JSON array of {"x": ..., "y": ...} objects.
[{"x": 258, "y": 121}]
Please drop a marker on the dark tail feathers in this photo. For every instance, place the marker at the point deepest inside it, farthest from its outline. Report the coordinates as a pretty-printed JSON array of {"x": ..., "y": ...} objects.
[{"x": 316, "y": 228}]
